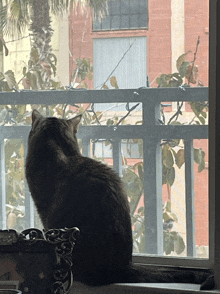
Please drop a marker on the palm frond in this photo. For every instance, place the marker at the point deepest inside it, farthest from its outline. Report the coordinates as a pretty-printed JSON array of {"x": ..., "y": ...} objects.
[
  {"x": 58, "y": 6},
  {"x": 15, "y": 17}
]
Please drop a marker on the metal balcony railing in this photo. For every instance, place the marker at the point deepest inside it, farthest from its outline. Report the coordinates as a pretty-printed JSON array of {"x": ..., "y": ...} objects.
[{"x": 150, "y": 131}]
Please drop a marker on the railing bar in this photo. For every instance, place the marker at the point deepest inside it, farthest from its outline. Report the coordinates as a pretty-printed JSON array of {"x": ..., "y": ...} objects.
[
  {"x": 3, "y": 188},
  {"x": 86, "y": 147},
  {"x": 153, "y": 197},
  {"x": 154, "y": 95},
  {"x": 29, "y": 203},
  {"x": 127, "y": 131},
  {"x": 190, "y": 198},
  {"x": 152, "y": 182},
  {"x": 117, "y": 158}
]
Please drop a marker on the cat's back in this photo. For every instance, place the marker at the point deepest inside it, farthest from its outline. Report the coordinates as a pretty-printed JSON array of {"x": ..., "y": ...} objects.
[{"x": 94, "y": 184}]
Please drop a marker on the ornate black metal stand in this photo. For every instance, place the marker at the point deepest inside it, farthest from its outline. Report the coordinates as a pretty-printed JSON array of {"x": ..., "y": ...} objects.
[{"x": 63, "y": 242}]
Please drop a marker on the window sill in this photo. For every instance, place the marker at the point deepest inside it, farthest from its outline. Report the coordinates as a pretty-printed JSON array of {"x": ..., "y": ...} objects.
[{"x": 144, "y": 288}]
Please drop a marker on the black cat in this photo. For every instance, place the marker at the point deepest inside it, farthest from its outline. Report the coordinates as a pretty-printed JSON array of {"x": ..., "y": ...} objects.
[{"x": 70, "y": 190}]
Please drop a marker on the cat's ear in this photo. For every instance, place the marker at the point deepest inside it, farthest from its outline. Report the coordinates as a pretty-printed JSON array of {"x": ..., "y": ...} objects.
[
  {"x": 74, "y": 123},
  {"x": 36, "y": 117}
]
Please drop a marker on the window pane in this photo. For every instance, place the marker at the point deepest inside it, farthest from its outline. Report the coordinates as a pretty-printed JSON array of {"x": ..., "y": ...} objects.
[
  {"x": 106, "y": 25},
  {"x": 128, "y": 12},
  {"x": 152, "y": 128},
  {"x": 142, "y": 6},
  {"x": 134, "y": 21},
  {"x": 142, "y": 18},
  {"x": 125, "y": 7},
  {"x": 96, "y": 24},
  {"x": 125, "y": 22},
  {"x": 134, "y": 7},
  {"x": 114, "y": 7},
  {"x": 115, "y": 22}
]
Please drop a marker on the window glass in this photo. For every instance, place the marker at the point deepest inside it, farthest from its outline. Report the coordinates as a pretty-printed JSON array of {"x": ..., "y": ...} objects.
[
  {"x": 148, "y": 118},
  {"x": 128, "y": 13},
  {"x": 134, "y": 6}
]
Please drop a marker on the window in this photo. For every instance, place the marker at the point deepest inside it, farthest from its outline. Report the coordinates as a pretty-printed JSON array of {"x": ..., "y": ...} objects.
[
  {"x": 123, "y": 14},
  {"x": 136, "y": 149}
]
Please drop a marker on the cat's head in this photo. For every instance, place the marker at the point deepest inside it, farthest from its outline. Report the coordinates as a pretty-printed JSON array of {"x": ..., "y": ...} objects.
[
  {"x": 47, "y": 129},
  {"x": 72, "y": 124}
]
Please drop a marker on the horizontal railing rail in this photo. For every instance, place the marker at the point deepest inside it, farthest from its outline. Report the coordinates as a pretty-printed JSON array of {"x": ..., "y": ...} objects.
[
  {"x": 148, "y": 95},
  {"x": 150, "y": 131}
]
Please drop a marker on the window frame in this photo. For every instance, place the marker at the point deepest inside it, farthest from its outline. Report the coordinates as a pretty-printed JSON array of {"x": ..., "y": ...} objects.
[
  {"x": 214, "y": 140},
  {"x": 119, "y": 29},
  {"x": 213, "y": 262}
]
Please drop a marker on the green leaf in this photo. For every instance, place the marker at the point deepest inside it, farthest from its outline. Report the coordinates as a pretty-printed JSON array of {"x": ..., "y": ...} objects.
[
  {"x": 34, "y": 55},
  {"x": 10, "y": 78},
  {"x": 168, "y": 158},
  {"x": 110, "y": 122},
  {"x": 181, "y": 59},
  {"x": 164, "y": 174},
  {"x": 198, "y": 155},
  {"x": 89, "y": 76},
  {"x": 166, "y": 216},
  {"x": 175, "y": 123},
  {"x": 4, "y": 86},
  {"x": 53, "y": 68},
  {"x": 140, "y": 172},
  {"x": 2, "y": 76},
  {"x": 204, "y": 114},
  {"x": 180, "y": 159},
  {"x": 55, "y": 85},
  {"x": 173, "y": 216},
  {"x": 158, "y": 80},
  {"x": 167, "y": 206},
  {"x": 114, "y": 82},
  {"x": 202, "y": 120},
  {"x": 199, "y": 158},
  {"x": 171, "y": 176},
  {"x": 168, "y": 242},
  {"x": 24, "y": 70},
  {"x": 53, "y": 59},
  {"x": 179, "y": 245},
  {"x": 141, "y": 209},
  {"x": 128, "y": 175},
  {"x": 32, "y": 80},
  {"x": 201, "y": 166},
  {"x": 183, "y": 68},
  {"x": 162, "y": 80}
]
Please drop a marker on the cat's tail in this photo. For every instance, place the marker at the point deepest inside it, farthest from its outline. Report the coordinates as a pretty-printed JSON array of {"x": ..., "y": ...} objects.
[{"x": 140, "y": 274}]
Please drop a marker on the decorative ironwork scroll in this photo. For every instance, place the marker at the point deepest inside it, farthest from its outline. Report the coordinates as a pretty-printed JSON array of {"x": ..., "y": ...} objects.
[{"x": 63, "y": 242}]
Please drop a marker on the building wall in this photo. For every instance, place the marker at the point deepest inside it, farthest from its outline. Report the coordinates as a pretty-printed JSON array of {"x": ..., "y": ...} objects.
[
  {"x": 158, "y": 36},
  {"x": 173, "y": 29},
  {"x": 19, "y": 51}
]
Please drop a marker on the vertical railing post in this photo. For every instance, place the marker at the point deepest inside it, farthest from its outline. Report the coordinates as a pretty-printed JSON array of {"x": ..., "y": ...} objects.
[
  {"x": 190, "y": 198},
  {"x": 3, "y": 224},
  {"x": 117, "y": 158},
  {"x": 152, "y": 181},
  {"x": 153, "y": 197},
  {"x": 86, "y": 147},
  {"x": 29, "y": 203}
]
